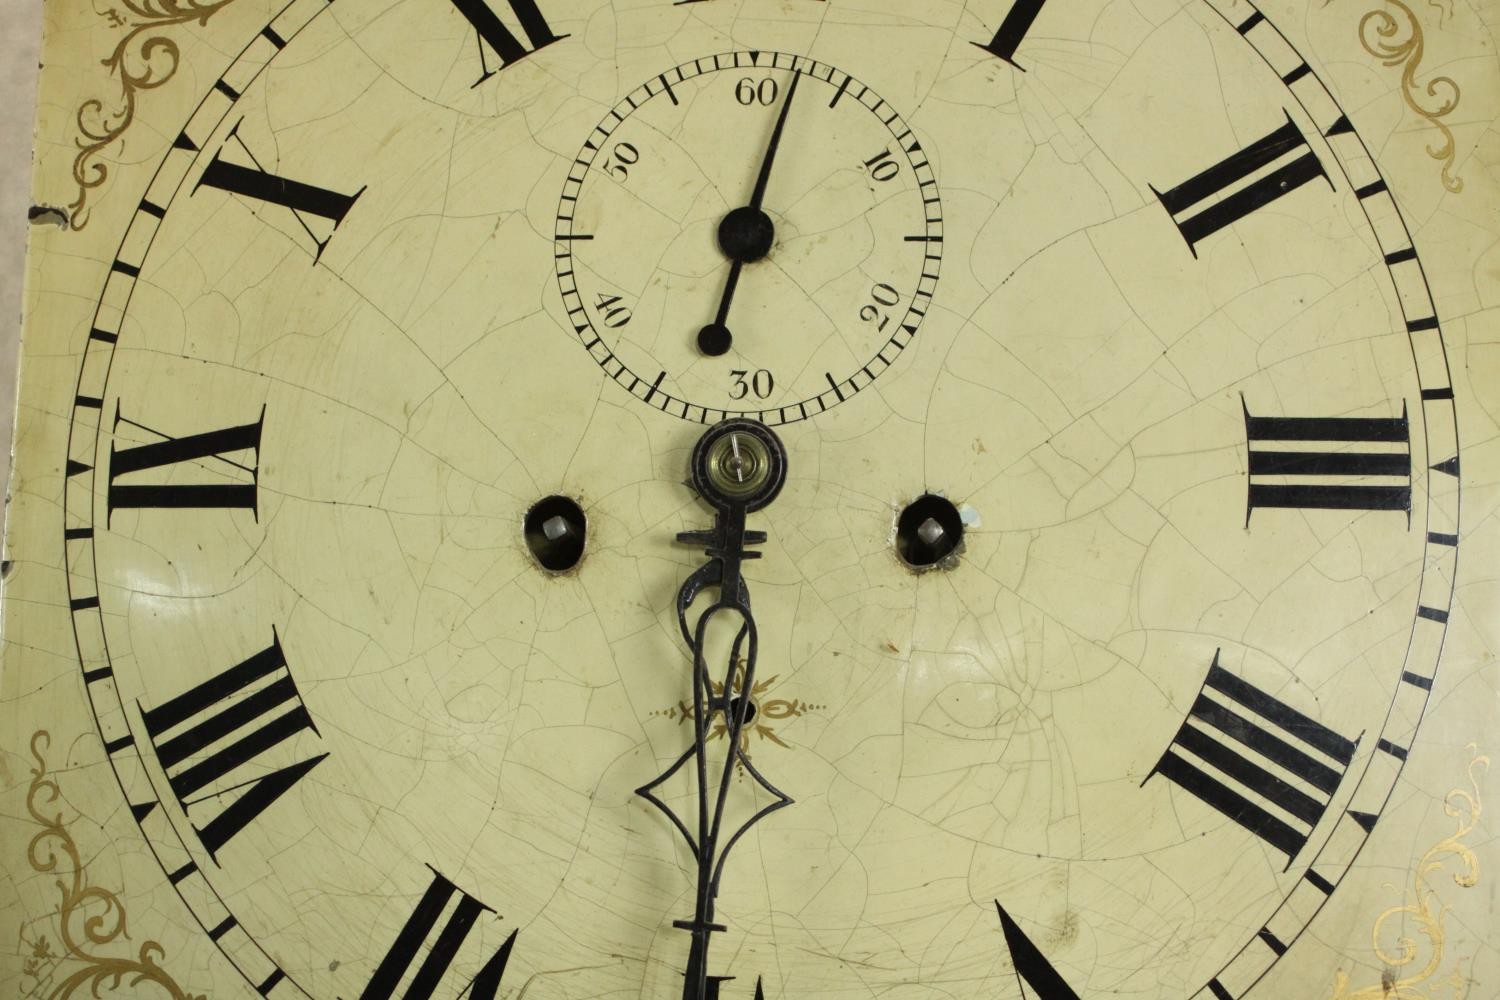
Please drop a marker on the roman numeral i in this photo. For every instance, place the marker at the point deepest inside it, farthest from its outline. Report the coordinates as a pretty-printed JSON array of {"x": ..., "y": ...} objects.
[{"x": 1012, "y": 30}]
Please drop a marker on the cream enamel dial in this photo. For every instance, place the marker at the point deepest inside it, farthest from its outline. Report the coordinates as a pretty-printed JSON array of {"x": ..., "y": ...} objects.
[{"x": 412, "y": 266}]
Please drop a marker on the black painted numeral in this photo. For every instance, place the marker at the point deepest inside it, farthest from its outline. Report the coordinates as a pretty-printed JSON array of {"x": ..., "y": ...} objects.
[
  {"x": 1325, "y": 476},
  {"x": 172, "y": 453},
  {"x": 1012, "y": 30},
  {"x": 505, "y": 44},
  {"x": 414, "y": 934},
  {"x": 256, "y": 182},
  {"x": 1031, "y": 965},
  {"x": 230, "y": 720},
  {"x": 1227, "y": 203},
  {"x": 1242, "y": 734}
]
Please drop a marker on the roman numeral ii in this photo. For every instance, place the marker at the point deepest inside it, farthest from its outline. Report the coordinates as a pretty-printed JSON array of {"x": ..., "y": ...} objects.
[
  {"x": 1208, "y": 201},
  {"x": 1012, "y": 30}
]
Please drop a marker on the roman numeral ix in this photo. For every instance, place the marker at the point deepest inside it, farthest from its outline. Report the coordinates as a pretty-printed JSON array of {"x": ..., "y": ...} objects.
[
  {"x": 170, "y": 457},
  {"x": 1327, "y": 463},
  {"x": 1208, "y": 201},
  {"x": 233, "y": 719},
  {"x": 1257, "y": 760}
]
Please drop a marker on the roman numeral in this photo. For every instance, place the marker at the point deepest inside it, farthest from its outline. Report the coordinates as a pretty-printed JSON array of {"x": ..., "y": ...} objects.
[
  {"x": 491, "y": 31},
  {"x": 1031, "y": 965},
  {"x": 415, "y": 933},
  {"x": 1226, "y": 206},
  {"x": 211, "y": 730},
  {"x": 254, "y": 181},
  {"x": 174, "y": 453},
  {"x": 1327, "y": 476},
  {"x": 1012, "y": 30},
  {"x": 1233, "y": 737}
]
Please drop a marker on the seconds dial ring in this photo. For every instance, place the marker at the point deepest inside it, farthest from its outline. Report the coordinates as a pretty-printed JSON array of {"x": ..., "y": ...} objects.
[{"x": 643, "y": 259}]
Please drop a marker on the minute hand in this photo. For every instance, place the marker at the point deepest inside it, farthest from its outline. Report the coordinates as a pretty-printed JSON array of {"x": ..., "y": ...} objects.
[{"x": 727, "y": 546}]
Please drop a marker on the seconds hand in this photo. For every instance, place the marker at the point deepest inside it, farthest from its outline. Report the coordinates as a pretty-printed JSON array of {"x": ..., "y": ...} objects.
[{"x": 746, "y": 235}]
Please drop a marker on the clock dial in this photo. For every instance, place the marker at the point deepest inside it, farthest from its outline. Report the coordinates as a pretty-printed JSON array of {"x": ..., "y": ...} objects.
[
  {"x": 412, "y": 268},
  {"x": 842, "y": 274}
]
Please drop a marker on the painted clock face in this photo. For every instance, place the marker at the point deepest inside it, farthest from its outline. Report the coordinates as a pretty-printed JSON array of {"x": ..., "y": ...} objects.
[{"x": 1117, "y": 282}]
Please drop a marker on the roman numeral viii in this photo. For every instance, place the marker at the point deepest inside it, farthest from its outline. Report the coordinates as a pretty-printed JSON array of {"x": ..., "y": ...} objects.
[
  {"x": 170, "y": 457},
  {"x": 1257, "y": 760},
  {"x": 233, "y": 719},
  {"x": 414, "y": 934},
  {"x": 492, "y": 31},
  {"x": 1328, "y": 463},
  {"x": 1207, "y": 202}
]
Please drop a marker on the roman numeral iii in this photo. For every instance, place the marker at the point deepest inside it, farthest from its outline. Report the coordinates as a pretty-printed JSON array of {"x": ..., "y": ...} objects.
[
  {"x": 233, "y": 719},
  {"x": 1328, "y": 463},
  {"x": 414, "y": 934},
  {"x": 493, "y": 32},
  {"x": 1208, "y": 201},
  {"x": 168, "y": 458},
  {"x": 1257, "y": 760}
]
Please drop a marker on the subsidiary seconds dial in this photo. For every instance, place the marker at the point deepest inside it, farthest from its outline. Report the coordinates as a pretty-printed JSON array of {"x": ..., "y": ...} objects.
[{"x": 748, "y": 234}]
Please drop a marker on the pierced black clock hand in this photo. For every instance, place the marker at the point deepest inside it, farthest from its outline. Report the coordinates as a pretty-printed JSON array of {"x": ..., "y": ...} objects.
[
  {"x": 739, "y": 467},
  {"x": 746, "y": 234}
]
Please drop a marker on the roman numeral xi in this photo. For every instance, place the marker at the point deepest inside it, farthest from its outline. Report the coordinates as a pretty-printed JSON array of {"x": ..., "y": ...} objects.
[
  {"x": 493, "y": 32},
  {"x": 1257, "y": 760},
  {"x": 1217, "y": 197},
  {"x": 213, "y": 741},
  {"x": 1329, "y": 463}
]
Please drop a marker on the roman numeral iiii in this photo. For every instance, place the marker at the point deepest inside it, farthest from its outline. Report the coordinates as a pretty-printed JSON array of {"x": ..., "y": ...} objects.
[{"x": 1257, "y": 760}]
